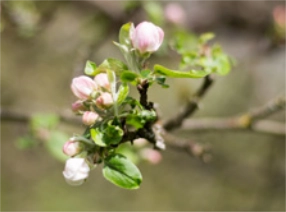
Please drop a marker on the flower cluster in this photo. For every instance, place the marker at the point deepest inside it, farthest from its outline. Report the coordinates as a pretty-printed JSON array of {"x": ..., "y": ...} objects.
[
  {"x": 103, "y": 109},
  {"x": 93, "y": 94},
  {"x": 113, "y": 118}
]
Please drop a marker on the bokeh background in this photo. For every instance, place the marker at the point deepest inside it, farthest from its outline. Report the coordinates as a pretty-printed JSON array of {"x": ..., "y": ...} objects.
[{"x": 43, "y": 44}]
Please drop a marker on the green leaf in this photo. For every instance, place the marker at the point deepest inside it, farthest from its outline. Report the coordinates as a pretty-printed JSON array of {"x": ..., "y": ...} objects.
[
  {"x": 161, "y": 70},
  {"x": 90, "y": 68},
  {"x": 121, "y": 172},
  {"x": 224, "y": 64},
  {"x": 46, "y": 121},
  {"x": 122, "y": 93},
  {"x": 55, "y": 145},
  {"x": 124, "y": 34},
  {"x": 145, "y": 73},
  {"x": 161, "y": 81},
  {"x": 112, "y": 134},
  {"x": 128, "y": 76},
  {"x": 111, "y": 64},
  {"x": 97, "y": 137},
  {"x": 148, "y": 115},
  {"x": 135, "y": 121}
]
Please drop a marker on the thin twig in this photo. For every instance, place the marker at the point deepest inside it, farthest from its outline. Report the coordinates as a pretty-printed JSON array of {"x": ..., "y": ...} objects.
[{"x": 190, "y": 107}]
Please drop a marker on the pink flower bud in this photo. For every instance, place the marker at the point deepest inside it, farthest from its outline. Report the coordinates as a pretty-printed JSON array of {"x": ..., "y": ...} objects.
[
  {"x": 89, "y": 117},
  {"x": 102, "y": 81},
  {"x": 279, "y": 15},
  {"x": 72, "y": 148},
  {"x": 175, "y": 13},
  {"x": 78, "y": 106},
  {"x": 104, "y": 100},
  {"x": 146, "y": 37},
  {"x": 76, "y": 171},
  {"x": 82, "y": 87},
  {"x": 151, "y": 155}
]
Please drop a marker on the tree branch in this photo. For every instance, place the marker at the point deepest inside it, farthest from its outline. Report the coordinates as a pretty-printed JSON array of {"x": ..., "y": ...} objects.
[
  {"x": 190, "y": 107},
  {"x": 247, "y": 121}
]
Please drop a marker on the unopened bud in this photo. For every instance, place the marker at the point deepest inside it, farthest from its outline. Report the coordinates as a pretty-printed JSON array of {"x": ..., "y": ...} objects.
[
  {"x": 72, "y": 148},
  {"x": 102, "y": 80},
  {"x": 89, "y": 117},
  {"x": 146, "y": 37},
  {"x": 78, "y": 106},
  {"x": 104, "y": 100},
  {"x": 82, "y": 87}
]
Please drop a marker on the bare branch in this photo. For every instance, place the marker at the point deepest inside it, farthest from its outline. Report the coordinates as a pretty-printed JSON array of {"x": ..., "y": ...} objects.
[
  {"x": 234, "y": 123},
  {"x": 268, "y": 109},
  {"x": 190, "y": 107},
  {"x": 189, "y": 146}
]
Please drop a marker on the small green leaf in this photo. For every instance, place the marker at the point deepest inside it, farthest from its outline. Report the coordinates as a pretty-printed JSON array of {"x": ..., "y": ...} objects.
[
  {"x": 224, "y": 64},
  {"x": 128, "y": 76},
  {"x": 122, "y": 93},
  {"x": 90, "y": 68},
  {"x": 148, "y": 115},
  {"x": 145, "y": 73},
  {"x": 121, "y": 172},
  {"x": 135, "y": 121},
  {"x": 161, "y": 81},
  {"x": 124, "y": 34},
  {"x": 97, "y": 137},
  {"x": 112, "y": 64},
  {"x": 112, "y": 134},
  {"x": 112, "y": 80},
  {"x": 161, "y": 70},
  {"x": 55, "y": 145}
]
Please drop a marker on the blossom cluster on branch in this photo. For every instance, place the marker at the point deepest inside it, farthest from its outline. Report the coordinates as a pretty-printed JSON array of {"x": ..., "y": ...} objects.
[{"x": 112, "y": 117}]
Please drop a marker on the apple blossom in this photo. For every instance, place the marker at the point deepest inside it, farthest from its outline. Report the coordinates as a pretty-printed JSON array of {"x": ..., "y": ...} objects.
[
  {"x": 89, "y": 117},
  {"x": 82, "y": 87},
  {"x": 146, "y": 37},
  {"x": 76, "y": 171}
]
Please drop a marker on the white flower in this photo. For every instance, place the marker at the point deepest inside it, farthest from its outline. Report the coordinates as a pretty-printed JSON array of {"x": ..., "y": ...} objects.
[{"x": 76, "y": 171}]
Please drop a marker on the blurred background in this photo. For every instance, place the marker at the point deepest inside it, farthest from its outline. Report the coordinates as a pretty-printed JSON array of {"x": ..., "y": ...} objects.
[{"x": 44, "y": 44}]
